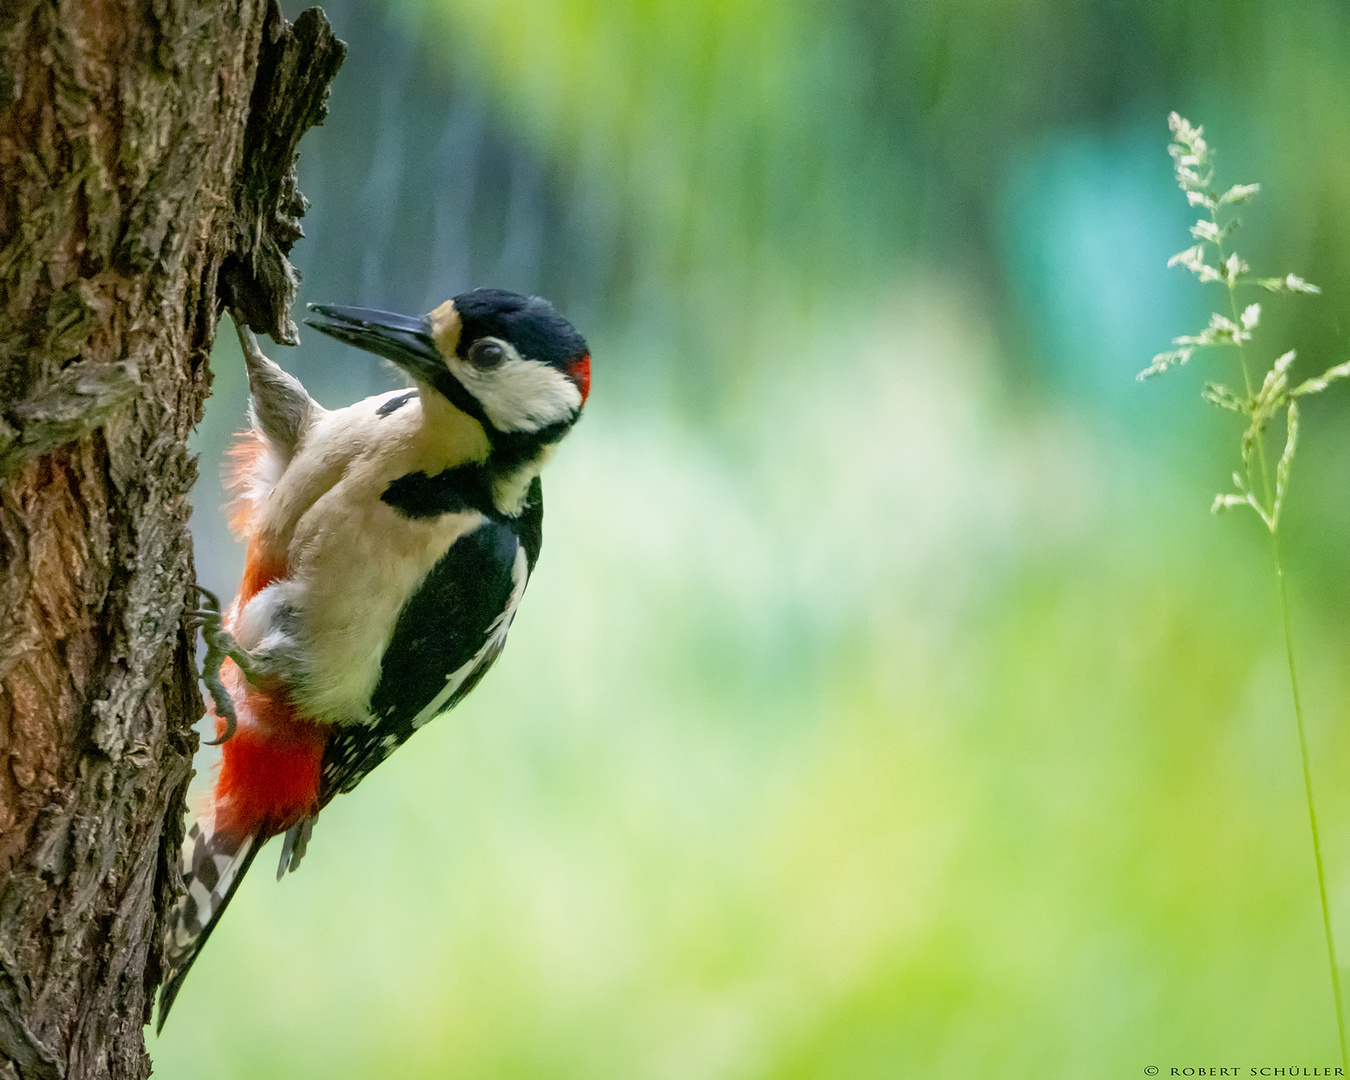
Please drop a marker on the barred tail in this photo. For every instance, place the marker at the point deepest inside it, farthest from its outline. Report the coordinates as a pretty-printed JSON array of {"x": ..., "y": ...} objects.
[{"x": 213, "y": 866}]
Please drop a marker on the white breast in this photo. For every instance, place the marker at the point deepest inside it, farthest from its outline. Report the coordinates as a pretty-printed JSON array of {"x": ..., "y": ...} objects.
[
  {"x": 352, "y": 560},
  {"x": 358, "y": 563}
]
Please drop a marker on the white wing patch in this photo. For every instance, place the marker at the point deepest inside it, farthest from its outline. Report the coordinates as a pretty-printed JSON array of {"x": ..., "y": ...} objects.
[{"x": 492, "y": 645}]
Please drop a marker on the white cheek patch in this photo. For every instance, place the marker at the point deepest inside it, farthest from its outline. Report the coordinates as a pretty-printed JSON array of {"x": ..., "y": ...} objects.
[{"x": 519, "y": 394}]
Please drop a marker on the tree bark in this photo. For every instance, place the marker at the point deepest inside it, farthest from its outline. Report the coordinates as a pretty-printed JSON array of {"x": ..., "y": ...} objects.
[{"x": 147, "y": 153}]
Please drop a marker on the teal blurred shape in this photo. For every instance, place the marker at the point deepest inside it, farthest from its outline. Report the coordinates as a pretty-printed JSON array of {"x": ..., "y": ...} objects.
[{"x": 1088, "y": 222}]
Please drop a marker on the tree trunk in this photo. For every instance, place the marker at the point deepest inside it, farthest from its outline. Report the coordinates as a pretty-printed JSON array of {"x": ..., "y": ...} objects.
[{"x": 146, "y": 179}]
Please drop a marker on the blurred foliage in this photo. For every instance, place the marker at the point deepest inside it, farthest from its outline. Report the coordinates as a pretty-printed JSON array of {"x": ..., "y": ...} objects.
[
  {"x": 812, "y": 144},
  {"x": 887, "y": 703}
]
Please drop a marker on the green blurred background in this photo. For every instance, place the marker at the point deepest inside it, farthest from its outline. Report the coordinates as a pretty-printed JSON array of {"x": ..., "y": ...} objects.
[{"x": 887, "y": 702}]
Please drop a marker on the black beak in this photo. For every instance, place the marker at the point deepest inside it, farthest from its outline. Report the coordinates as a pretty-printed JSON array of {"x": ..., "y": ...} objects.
[{"x": 404, "y": 339}]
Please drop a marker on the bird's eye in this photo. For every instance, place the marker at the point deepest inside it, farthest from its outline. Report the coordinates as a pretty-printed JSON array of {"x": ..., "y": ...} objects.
[{"x": 486, "y": 353}]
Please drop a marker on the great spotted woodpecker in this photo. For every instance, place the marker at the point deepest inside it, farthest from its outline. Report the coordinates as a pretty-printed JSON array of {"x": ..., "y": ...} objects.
[{"x": 389, "y": 544}]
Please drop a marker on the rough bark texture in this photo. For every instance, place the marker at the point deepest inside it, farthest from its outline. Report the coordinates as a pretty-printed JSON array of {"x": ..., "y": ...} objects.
[{"x": 146, "y": 179}]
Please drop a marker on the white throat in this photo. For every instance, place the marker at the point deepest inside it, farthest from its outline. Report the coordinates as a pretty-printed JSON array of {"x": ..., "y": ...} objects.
[{"x": 510, "y": 489}]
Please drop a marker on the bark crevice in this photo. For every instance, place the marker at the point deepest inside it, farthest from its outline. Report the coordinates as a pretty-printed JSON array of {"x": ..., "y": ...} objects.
[
  {"x": 290, "y": 95},
  {"x": 147, "y": 156}
]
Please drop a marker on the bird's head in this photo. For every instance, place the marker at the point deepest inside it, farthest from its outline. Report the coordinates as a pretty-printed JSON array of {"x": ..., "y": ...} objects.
[{"x": 509, "y": 361}]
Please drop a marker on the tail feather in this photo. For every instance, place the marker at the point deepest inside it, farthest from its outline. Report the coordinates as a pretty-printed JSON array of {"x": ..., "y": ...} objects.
[
  {"x": 295, "y": 844},
  {"x": 213, "y": 866}
]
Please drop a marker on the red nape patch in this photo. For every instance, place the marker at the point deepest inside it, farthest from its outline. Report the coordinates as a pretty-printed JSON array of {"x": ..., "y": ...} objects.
[
  {"x": 270, "y": 769},
  {"x": 579, "y": 371}
]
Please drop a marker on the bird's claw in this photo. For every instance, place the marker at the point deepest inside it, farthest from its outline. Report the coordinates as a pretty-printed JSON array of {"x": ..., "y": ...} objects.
[{"x": 220, "y": 643}]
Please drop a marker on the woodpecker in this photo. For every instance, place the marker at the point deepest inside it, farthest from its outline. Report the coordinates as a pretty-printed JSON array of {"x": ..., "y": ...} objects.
[{"x": 389, "y": 545}]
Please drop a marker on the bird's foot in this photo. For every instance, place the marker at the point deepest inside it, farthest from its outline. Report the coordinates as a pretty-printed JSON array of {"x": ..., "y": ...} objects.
[{"x": 220, "y": 643}]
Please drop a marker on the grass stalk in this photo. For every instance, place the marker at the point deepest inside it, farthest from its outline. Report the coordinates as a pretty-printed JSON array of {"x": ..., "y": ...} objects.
[
  {"x": 1312, "y": 807},
  {"x": 1258, "y": 405},
  {"x": 1283, "y": 594}
]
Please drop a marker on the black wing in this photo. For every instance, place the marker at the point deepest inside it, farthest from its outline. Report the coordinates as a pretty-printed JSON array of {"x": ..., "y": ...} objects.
[{"x": 447, "y": 636}]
